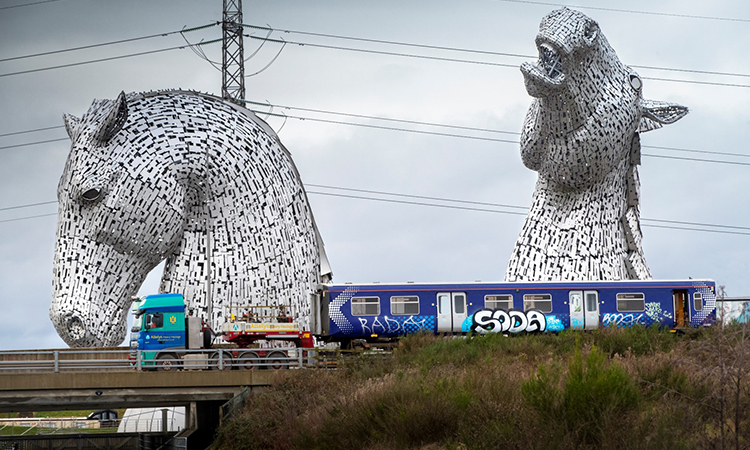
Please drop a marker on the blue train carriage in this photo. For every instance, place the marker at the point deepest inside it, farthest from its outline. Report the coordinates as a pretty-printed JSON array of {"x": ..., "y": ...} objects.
[{"x": 378, "y": 311}]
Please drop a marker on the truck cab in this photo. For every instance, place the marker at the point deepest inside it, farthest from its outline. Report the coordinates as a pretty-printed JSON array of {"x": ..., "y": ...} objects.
[{"x": 159, "y": 324}]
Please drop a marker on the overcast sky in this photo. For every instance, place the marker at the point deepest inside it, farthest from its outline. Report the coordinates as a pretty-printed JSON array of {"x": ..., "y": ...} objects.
[{"x": 373, "y": 240}]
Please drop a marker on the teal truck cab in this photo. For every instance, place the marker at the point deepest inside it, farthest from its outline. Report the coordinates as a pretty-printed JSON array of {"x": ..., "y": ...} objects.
[{"x": 165, "y": 338}]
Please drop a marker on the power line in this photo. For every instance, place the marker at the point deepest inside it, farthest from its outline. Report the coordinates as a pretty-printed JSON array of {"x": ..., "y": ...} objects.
[
  {"x": 388, "y": 119},
  {"x": 28, "y": 205},
  {"x": 682, "y": 158},
  {"x": 525, "y": 208},
  {"x": 500, "y": 205},
  {"x": 107, "y": 59},
  {"x": 466, "y": 61},
  {"x": 405, "y": 202},
  {"x": 32, "y": 131},
  {"x": 468, "y": 50},
  {"x": 382, "y": 41},
  {"x": 707, "y": 83},
  {"x": 121, "y": 41},
  {"x": 359, "y": 197},
  {"x": 629, "y": 11},
  {"x": 463, "y": 136},
  {"x": 443, "y": 125},
  {"x": 378, "y": 52},
  {"x": 34, "y": 143},
  {"x": 702, "y": 72},
  {"x": 414, "y": 122},
  {"x": 449, "y": 200},
  {"x": 708, "y": 152},
  {"x": 378, "y": 127},
  {"x": 28, "y": 4},
  {"x": 27, "y": 217}
]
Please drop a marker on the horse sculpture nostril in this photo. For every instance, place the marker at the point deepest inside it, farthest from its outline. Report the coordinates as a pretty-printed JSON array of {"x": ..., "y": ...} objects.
[
  {"x": 92, "y": 195},
  {"x": 76, "y": 328}
]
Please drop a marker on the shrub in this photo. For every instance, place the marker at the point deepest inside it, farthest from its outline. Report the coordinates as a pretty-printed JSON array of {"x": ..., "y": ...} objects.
[
  {"x": 586, "y": 405},
  {"x": 636, "y": 340}
]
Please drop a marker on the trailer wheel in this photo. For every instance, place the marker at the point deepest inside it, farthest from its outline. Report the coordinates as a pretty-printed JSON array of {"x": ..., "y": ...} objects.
[
  {"x": 277, "y": 361},
  {"x": 167, "y": 362},
  {"x": 213, "y": 363},
  {"x": 248, "y": 360}
]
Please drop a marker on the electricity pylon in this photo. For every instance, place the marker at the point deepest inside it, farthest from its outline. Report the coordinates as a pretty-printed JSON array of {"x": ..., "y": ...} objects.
[{"x": 232, "y": 59}]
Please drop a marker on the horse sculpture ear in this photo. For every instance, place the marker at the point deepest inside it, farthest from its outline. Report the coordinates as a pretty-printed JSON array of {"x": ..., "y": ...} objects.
[
  {"x": 71, "y": 125},
  {"x": 113, "y": 120},
  {"x": 654, "y": 114}
]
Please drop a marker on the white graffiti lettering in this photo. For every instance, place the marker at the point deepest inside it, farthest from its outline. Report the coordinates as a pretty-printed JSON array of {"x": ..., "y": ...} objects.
[
  {"x": 512, "y": 321},
  {"x": 392, "y": 325},
  {"x": 376, "y": 325},
  {"x": 421, "y": 324},
  {"x": 365, "y": 328},
  {"x": 623, "y": 320},
  {"x": 389, "y": 325},
  {"x": 537, "y": 321}
]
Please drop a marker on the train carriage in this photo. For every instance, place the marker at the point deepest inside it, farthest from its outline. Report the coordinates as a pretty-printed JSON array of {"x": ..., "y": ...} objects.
[{"x": 388, "y": 310}]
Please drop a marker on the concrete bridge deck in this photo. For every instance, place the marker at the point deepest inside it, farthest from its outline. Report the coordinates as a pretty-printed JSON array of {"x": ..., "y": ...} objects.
[{"x": 100, "y": 390}]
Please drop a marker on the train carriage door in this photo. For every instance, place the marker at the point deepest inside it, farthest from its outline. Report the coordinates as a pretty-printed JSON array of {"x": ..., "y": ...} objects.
[
  {"x": 451, "y": 311},
  {"x": 575, "y": 301},
  {"x": 680, "y": 307},
  {"x": 591, "y": 303}
]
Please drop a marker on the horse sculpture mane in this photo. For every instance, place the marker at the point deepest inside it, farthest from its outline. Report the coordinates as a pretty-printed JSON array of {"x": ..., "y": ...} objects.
[
  {"x": 195, "y": 180},
  {"x": 581, "y": 134}
]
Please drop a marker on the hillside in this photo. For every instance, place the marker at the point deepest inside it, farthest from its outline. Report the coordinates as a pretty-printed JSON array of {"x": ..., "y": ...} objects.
[{"x": 611, "y": 388}]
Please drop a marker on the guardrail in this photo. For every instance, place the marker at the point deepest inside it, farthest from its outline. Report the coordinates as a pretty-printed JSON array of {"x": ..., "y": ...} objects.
[
  {"x": 64, "y": 360},
  {"x": 123, "y": 359},
  {"x": 96, "y": 360}
]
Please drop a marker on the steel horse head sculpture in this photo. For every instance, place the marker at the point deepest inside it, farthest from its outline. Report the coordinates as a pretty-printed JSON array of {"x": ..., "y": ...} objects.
[
  {"x": 581, "y": 134},
  {"x": 186, "y": 177}
]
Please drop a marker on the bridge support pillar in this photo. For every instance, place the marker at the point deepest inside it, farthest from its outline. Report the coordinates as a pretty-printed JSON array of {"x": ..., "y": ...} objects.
[{"x": 203, "y": 418}]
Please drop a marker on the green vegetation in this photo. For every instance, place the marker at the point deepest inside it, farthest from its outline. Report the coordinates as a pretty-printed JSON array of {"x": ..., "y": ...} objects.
[
  {"x": 611, "y": 388},
  {"x": 14, "y": 430}
]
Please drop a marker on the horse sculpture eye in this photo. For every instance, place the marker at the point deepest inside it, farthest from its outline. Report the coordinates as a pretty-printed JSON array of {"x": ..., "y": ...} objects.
[
  {"x": 92, "y": 195},
  {"x": 635, "y": 82},
  {"x": 590, "y": 32}
]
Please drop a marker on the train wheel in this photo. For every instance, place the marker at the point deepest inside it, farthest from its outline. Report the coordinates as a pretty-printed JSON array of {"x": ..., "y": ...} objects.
[
  {"x": 248, "y": 360},
  {"x": 167, "y": 362},
  {"x": 213, "y": 363},
  {"x": 277, "y": 361}
]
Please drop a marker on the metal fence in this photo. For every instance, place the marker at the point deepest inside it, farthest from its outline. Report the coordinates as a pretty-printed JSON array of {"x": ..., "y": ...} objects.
[
  {"x": 98, "y": 360},
  {"x": 123, "y": 359},
  {"x": 75, "y": 441}
]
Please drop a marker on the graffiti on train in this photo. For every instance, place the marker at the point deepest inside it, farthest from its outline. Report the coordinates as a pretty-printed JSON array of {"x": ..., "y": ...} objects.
[
  {"x": 386, "y": 325},
  {"x": 624, "y": 319},
  {"x": 511, "y": 321}
]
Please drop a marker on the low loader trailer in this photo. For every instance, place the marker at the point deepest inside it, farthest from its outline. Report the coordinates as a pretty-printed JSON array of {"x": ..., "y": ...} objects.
[{"x": 165, "y": 338}]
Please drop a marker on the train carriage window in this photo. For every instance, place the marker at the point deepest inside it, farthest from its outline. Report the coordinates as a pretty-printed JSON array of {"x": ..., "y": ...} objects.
[
  {"x": 365, "y": 306},
  {"x": 697, "y": 301},
  {"x": 592, "y": 300},
  {"x": 498, "y": 301},
  {"x": 631, "y": 302},
  {"x": 542, "y": 302},
  {"x": 405, "y": 305},
  {"x": 459, "y": 303}
]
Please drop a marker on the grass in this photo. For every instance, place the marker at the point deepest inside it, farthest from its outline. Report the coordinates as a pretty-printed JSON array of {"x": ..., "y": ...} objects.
[
  {"x": 17, "y": 430},
  {"x": 610, "y": 388}
]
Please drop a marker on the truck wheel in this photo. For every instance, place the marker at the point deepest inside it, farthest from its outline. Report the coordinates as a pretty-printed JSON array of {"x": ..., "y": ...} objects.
[
  {"x": 248, "y": 360},
  {"x": 278, "y": 361},
  {"x": 167, "y": 362},
  {"x": 213, "y": 364}
]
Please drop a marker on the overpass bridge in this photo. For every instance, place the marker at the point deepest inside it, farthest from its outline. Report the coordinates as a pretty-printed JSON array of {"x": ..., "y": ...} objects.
[
  {"x": 20, "y": 392},
  {"x": 74, "y": 379}
]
